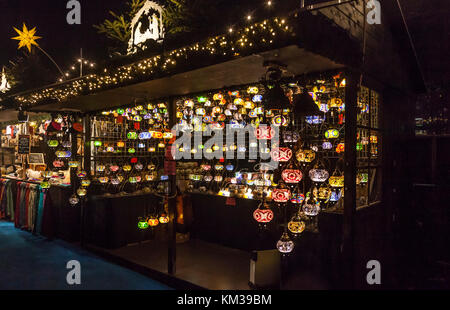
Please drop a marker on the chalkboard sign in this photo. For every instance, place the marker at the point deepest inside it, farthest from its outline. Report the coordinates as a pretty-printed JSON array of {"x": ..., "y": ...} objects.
[
  {"x": 36, "y": 158},
  {"x": 23, "y": 144}
]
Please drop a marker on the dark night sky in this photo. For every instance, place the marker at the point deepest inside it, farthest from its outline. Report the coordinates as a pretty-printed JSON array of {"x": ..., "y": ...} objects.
[
  {"x": 60, "y": 40},
  {"x": 428, "y": 21}
]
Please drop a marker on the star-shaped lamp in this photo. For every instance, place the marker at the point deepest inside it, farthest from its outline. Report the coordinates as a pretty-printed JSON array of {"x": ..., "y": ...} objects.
[{"x": 26, "y": 37}]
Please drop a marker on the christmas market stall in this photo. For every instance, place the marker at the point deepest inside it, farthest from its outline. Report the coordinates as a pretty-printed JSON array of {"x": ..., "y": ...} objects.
[{"x": 258, "y": 157}]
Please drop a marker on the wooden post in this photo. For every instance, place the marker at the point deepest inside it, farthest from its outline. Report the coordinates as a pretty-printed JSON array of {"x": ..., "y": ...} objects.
[
  {"x": 87, "y": 168},
  {"x": 172, "y": 204},
  {"x": 349, "y": 180}
]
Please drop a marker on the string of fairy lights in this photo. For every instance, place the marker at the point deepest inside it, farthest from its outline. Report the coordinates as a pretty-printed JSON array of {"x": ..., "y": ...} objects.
[{"x": 235, "y": 43}]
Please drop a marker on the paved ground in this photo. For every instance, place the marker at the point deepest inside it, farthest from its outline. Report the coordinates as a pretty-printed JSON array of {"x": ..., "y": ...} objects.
[{"x": 28, "y": 262}]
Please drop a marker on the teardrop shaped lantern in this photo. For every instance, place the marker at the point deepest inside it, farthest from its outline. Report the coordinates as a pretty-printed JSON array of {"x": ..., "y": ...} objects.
[{"x": 285, "y": 244}]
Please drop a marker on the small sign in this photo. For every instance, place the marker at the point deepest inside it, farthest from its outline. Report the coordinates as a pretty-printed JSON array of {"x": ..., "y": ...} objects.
[
  {"x": 36, "y": 158},
  {"x": 231, "y": 202},
  {"x": 23, "y": 144}
]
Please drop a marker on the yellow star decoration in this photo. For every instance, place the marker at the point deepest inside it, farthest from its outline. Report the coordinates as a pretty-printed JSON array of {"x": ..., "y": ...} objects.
[{"x": 26, "y": 37}]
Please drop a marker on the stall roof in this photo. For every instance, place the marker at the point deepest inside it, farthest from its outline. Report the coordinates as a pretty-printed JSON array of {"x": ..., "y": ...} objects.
[{"x": 240, "y": 71}]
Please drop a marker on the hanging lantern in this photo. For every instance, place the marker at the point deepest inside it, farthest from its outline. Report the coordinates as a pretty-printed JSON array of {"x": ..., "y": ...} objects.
[
  {"x": 218, "y": 96},
  {"x": 305, "y": 156},
  {"x": 139, "y": 166},
  {"x": 264, "y": 214},
  {"x": 205, "y": 167},
  {"x": 149, "y": 177},
  {"x": 58, "y": 164},
  {"x": 132, "y": 135},
  {"x": 327, "y": 145},
  {"x": 131, "y": 150},
  {"x": 151, "y": 149},
  {"x": 153, "y": 221},
  {"x": 292, "y": 176},
  {"x": 281, "y": 195},
  {"x": 218, "y": 167},
  {"x": 63, "y": 154},
  {"x": 285, "y": 244},
  {"x": 279, "y": 120},
  {"x": 311, "y": 207},
  {"x": 218, "y": 178},
  {"x": 103, "y": 180},
  {"x": 53, "y": 143},
  {"x": 73, "y": 164},
  {"x": 81, "y": 192},
  {"x": 126, "y": 168},
  {"x": 145, "y": 135},
  {"x": 281, "y": 154},
  {"x": 318, "y": 175},
  {"x": 74, "y": 200},
  {"x": 114, "y": 168},
  {"x": 264, "y": 132},
  {"x": 115, "y": 181},
  {"x": 297, "y": 198},
  {"x": 323, "y": 194},
  {"x": 332, "y": 134},
  {"x": 85, "y": 183},
  {"x": 335, "y": 103},
  {"x": 335, "y": 195},
  {"x": 207, "y": 178},
  {"x": 257, "y": 98},
  {"x": 164, "y": 218},
  {"x": 314, "y": 120},
  {"x": 296, "y": 225},
  {"x": 252, "y": 90},
  {"x": 362, "y": 178},
  {"x": 67, "y": 144},
  {"x": 98, "y": 143},
  {"x": 340, "y": 148},
  {"x": 110, "y": 149},
  {"x": 120, "y": 144},
  {"x": 142, "y": 224},
  {"x": 229, "y": 167},
  {"x": 336, "y": 181}
]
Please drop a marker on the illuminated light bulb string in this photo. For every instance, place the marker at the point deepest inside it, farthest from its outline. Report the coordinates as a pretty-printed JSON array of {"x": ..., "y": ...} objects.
[{"x": 245, "y": 41}]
